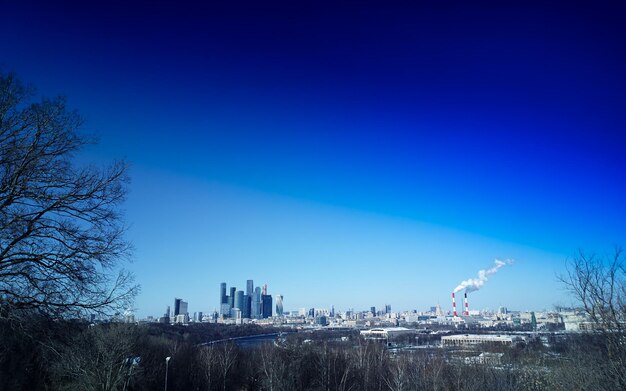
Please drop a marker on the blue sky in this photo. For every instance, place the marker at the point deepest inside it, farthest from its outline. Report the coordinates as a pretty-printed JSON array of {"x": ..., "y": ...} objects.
[{"x": 346, "y": 155}]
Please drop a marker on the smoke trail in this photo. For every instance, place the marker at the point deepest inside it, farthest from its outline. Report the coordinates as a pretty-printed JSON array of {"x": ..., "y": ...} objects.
[{"x": 474, "y": 284}]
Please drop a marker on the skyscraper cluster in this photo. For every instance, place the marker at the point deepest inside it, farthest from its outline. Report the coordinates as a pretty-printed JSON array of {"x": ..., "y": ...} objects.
[
  {"x": 254, "y": 303},
  {"x": 180, "y": 315}
]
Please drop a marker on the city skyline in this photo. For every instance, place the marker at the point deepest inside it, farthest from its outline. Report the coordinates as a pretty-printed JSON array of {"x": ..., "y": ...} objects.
[
  {"x": 237, "y": 300},
  {"x": 349, "y": 156}
]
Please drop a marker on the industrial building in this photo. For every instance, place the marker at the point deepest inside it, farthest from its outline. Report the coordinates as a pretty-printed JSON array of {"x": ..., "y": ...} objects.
[
  {"x": 386, "y": 332},
  {"x": 475, "y": 339}
]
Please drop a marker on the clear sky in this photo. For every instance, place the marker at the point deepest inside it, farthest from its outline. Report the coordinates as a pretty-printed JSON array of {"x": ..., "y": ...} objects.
[{"x": 346, "y": 155}]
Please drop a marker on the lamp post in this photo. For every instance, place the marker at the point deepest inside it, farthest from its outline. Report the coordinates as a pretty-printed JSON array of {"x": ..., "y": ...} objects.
[{"x": 167, "y": 362}]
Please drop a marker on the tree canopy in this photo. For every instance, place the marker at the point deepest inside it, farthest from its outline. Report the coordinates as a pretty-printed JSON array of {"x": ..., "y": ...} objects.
[{"x": 62, "y": 240}]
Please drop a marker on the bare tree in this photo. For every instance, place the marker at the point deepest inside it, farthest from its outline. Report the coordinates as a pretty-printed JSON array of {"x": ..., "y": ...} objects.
[
  {"x": 599, "y": 284},
  {"x": 226, "y": 359},
  {"x": 275, "y": 370},
  {"x": 208, "y": 361},
  {"x": 100, "y": 359},
  {"x": 398, "y": 377},
  {"x": 61, "y": 231}
]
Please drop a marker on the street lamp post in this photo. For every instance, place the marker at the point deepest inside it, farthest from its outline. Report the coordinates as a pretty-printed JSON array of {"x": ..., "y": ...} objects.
[{"x": 167, "y": 362}]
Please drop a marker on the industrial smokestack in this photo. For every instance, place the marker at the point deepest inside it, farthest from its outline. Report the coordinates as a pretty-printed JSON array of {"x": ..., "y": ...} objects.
[
  {"x": 466, "y": 306},
  {"x": 453, "y": 305}
]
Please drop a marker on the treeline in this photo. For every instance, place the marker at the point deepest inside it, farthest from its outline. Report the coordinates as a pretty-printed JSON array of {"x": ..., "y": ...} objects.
[
  {"x": 59, "y": 355},
  {"x": 37, "y": 352}
]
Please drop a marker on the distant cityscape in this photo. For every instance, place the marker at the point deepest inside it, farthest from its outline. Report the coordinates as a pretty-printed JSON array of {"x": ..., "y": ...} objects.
[{"x": 256, "y": 306}]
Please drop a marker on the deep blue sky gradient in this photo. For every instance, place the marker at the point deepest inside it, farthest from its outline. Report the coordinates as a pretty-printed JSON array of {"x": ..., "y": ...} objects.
[{"x": 352, "y": 155}]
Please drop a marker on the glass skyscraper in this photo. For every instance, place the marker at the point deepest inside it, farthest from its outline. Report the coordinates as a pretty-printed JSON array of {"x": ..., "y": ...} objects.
[
  {"x": 266, "y": 304},
  {"x": 279, "y": 305},
  {"x": 239, "y": 300},
  {"x": 177, "y": 306},
  {"x": 223, "y": 297},
  {"x": 231, "y": 298},
  {"x": 256, "y": 303},
  {"x": 247, "y": 306}
]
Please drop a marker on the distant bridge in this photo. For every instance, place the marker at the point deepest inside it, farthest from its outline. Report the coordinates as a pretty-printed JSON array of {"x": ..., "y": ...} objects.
[{"x": 247, "y": 338}]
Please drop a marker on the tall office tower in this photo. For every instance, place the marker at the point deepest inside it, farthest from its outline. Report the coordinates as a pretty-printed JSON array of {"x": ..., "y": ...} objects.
[
  {"x": 279, "y": 305},
  {"x": 256, "y": 303},
  {"x": 373, "y": 311},
  {"x": 266, "y": 302},
  {"x": 249, "y": 288},
  {"x": 166, "y": 317},
  {"x": 177, "y": 306},
  {"x": 264, "y": 291},
  {"x": 239, "y": 300},
  {"x": 231, "y": 298},
  {"x": 387, "y": 308},
  {"x": 223, "y": 297},
  {"x": 247, "y": 306},
  {"x": 183, "y": 308},
  {"x": 225, "y": 309},
  {"x": 332, "y": 311}
]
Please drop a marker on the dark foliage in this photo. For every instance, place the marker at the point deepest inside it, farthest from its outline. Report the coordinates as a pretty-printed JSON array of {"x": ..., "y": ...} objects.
[{"x": 46, "y": 354}]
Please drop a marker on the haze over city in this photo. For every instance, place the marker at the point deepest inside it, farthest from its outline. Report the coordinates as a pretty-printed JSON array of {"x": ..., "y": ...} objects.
[{"x": 347, "y": 156}]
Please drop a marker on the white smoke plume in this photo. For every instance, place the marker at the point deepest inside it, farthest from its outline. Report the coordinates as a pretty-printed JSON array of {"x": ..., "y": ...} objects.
[{"x": 474, "y": 284}]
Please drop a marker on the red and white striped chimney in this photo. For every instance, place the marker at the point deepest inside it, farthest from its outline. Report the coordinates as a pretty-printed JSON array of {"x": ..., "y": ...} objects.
[
  {"x": 453, "y": 305},
  {"x": 466, "y": 306}
]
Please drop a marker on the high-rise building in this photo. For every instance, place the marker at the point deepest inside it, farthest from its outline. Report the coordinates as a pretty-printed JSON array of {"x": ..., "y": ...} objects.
[
  {"x": 373, "y": 311},
  {"x": 183, "y": 308},
  {"x": 177, "y": 306},
  {"x": 166, "y": 317},
  {"x": 225, "y": 309},
  {"x": 249, "y": 287},
  {"x": 266, "y": 303},
  {"x": 279, "y": 305},
  {"x": 239, "y": 300},
  {"x": 231, "y": 298},
  {"x": 247, "y": 307},
  {"x": 256, "y": 304},
  {"x": 223, "y": 297}
]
